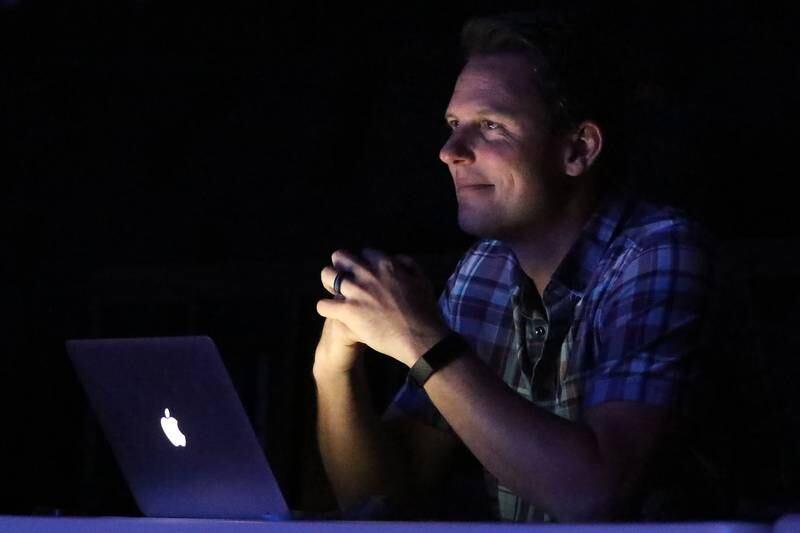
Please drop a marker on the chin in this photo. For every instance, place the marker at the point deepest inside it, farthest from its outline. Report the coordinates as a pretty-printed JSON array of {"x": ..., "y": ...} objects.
[
  {"x": 485, "y": 226},
  {"x": 479, "y": 227}
]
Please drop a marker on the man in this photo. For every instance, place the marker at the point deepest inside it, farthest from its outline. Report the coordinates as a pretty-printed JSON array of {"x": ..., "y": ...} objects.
[{"x": 564, "y": 351}]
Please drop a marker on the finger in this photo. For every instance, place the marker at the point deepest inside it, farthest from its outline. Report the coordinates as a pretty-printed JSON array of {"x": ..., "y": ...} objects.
[
  {"x": 347, "y": 283},
  {"x": 378, "y": 260},
  {"x": 331, "y": 308},
  {"x": 344, "y": 261},
  {"x": 327, "y": 276}
]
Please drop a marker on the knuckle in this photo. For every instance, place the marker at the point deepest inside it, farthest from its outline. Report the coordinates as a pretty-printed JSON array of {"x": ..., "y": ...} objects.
[
  {"x": 385, "y": 264},
  {"x": 339, "y": 256}
]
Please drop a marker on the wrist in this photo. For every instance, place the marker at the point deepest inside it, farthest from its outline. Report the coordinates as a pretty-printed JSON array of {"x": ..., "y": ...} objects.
[
  {"x": 441, "y": 354},
  {"x": 421, "y": 343},
  {"x": 324, "y": 373},
  {"x": 332, "y": 363}
]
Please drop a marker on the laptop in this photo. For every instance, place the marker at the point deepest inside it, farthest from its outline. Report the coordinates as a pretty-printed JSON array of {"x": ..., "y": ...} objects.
[{"x": 177, "y": 428}]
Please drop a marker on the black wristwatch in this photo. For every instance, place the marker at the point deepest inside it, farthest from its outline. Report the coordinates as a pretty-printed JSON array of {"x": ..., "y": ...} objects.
[{"x": 439, "y": 356}]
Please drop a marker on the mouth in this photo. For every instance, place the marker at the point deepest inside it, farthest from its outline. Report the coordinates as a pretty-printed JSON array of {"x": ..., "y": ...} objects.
[{"x": 477, "y": 187}]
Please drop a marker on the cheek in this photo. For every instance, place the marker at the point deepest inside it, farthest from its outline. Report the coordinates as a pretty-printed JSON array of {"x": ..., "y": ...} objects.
[
  {"x": 512, "y": 169},
  {"x": 502, "y": 159},
  {"x": 535, "y": 159}
]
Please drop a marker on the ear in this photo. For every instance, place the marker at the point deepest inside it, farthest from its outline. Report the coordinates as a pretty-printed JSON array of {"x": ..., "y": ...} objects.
[{"x": 581, "y": 147}]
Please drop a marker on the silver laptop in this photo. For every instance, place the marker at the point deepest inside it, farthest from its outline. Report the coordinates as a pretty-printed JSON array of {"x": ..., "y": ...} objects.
[{"x": 177, "y": 428}]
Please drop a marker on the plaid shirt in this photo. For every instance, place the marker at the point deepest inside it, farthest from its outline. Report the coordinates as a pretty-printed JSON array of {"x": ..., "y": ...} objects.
[{"x": 621, "y": 320}]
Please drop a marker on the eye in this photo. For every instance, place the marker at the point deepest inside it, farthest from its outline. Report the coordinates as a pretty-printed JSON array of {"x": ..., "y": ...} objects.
[
  {"x": 453, "y": 123},
  {"x": 489, "y": 125}
]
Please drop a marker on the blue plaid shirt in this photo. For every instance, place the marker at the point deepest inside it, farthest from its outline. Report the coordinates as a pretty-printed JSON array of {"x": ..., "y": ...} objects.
[{"x": 622, "y": 319}]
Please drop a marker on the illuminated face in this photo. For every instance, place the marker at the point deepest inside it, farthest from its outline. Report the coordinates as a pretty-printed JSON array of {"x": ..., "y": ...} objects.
[{"x": 501, "y": 153}]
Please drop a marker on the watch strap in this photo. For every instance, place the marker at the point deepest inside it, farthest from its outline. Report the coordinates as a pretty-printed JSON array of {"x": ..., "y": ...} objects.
[{"x": 440, "y": 355}]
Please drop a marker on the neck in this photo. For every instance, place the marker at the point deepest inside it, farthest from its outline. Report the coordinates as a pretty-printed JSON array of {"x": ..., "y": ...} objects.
[{"x": 544, "y": 247}]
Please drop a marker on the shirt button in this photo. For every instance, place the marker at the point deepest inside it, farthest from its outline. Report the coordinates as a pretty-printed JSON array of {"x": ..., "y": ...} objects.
[{"x": 539, "y": 331}]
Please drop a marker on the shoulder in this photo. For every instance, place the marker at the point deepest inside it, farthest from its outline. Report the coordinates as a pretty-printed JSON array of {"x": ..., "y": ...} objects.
[
  {"x": 649, "y": 226},
  {"x": 478, "y": 293},
  {"x": 487, "y": 260},
  {"x": 486, "y": 254},
  {"x": 661, "y": 239},
  {"x": 488, "y": 263},
  {"x": 659, "y": 266}
]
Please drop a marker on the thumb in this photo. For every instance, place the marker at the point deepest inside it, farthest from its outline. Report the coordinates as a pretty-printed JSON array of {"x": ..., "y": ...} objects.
[{"x": 330, "y": 308}]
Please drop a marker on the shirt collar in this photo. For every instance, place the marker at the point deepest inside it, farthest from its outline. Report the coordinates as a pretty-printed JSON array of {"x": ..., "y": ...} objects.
[{"x": 579, "y": 265}]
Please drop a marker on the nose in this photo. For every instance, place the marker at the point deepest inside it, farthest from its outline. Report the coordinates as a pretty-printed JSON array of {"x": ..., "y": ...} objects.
[{"x": 456, "y": 151}]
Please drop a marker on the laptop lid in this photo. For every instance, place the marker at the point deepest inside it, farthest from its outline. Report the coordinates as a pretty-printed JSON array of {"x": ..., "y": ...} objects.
[{"x": 177, "y": 427}]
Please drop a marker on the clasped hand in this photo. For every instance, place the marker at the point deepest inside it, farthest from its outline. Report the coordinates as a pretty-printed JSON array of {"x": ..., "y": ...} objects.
[{"x": 386, "y": 303}]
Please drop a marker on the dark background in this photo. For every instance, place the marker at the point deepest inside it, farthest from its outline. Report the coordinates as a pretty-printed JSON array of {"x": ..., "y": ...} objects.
[{"x": 172, "y": 169}]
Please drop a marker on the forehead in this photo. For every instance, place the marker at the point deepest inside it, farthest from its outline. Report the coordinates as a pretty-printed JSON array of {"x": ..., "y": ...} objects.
[{"x": 503, "y": 82}]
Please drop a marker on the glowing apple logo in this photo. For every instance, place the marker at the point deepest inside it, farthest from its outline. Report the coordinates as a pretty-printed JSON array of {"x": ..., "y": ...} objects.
[{"x": 170, "y": 427}]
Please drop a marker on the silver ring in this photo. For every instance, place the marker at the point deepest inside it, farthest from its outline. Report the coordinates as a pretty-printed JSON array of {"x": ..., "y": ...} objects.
[{"x": 337, "y": 283}]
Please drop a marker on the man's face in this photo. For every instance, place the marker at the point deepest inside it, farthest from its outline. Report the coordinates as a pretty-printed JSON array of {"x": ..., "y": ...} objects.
[{"x": 500, "y": 153}]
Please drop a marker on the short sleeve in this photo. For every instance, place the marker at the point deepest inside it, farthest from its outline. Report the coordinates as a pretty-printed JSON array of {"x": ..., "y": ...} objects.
[{"x": 652, "y": 326}]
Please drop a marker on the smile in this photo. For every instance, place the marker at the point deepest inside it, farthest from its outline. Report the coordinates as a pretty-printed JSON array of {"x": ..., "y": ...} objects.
[{"x": 474, "y": 187}]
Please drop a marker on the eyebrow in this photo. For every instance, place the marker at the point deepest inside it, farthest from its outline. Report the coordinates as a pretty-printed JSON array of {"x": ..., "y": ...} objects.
[{"x": 485, "y": 111}]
